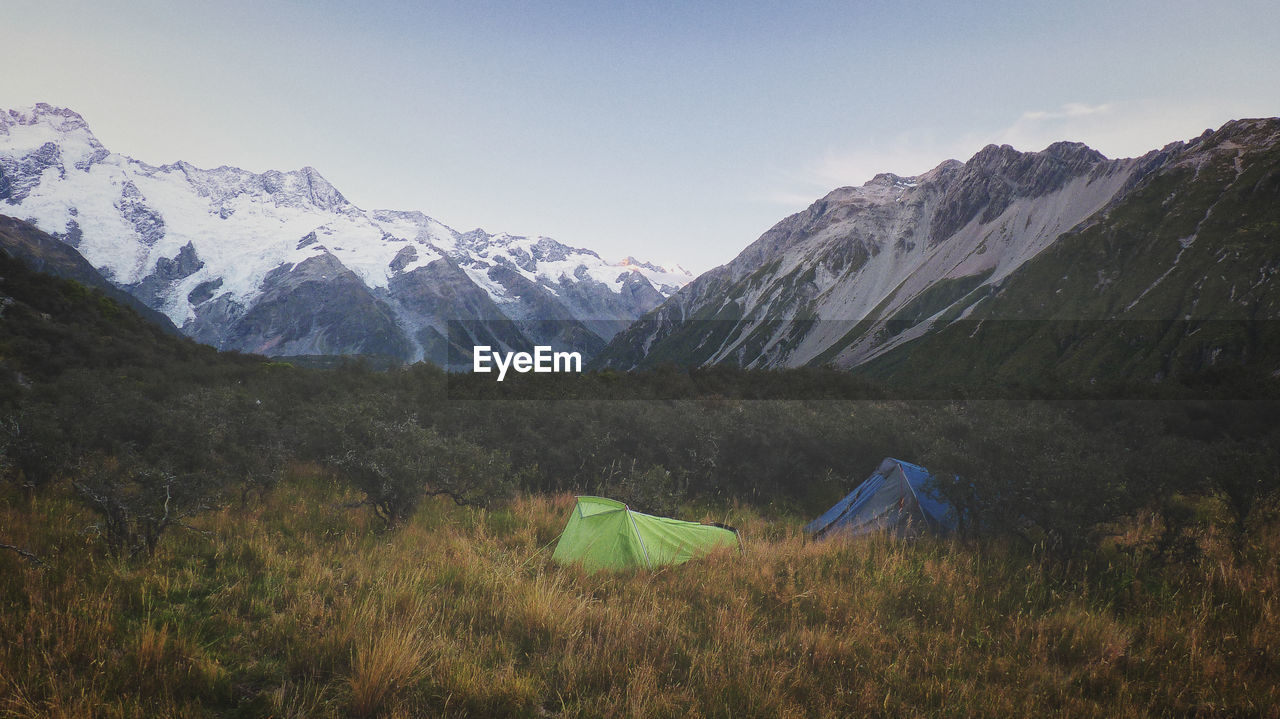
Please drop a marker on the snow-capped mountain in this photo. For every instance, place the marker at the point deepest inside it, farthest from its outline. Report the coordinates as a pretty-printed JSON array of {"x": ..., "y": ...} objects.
[
  {"x": 281, "y": 263},
  {"x": 866, "y": 271}
]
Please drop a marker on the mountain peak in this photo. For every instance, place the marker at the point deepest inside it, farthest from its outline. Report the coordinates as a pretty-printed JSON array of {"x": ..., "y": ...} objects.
[
  {"x": 1005, "y": 158},
  {"x": 944, "y": 168},
  {"x": 39, "y": 138},
  {"x": 305, "y": 185},
  {"x": 633, "y": 263},
  {"x": 1074, "y": 153},
  {"x": 994, "y": 157},
  {"x": 58, "y": 118},
  {"x": 320, "y": 190},
  {"x": 890, "y": 180},
  {"x": 1256, "y": 130},
  {"x": 43, "y": 123}
]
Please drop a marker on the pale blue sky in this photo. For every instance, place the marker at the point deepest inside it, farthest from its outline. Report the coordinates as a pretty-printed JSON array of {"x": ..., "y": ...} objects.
[{"x": 676, "y": 132}]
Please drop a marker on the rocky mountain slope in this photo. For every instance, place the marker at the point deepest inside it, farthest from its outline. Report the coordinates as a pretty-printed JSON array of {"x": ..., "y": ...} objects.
[
  {"x": 869, "y": 270},
  {"x": 1177, "y": 277},
  {"x": 281, "y": 263}
]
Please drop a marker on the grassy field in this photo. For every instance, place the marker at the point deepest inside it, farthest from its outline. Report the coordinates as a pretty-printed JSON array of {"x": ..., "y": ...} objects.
[{"x": 296, "y": 607}]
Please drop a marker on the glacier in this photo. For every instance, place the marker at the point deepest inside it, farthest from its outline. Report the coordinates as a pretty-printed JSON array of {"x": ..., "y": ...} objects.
[{"x": 207, "y": 247}]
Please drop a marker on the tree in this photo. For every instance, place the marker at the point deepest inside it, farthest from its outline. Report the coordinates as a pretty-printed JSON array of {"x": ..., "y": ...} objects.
[
  {"x": 237, "y": 436},
  {"x": 138, "y": 501},
  {"x": 147, "y": 465},
  {"x": 1245, "y": 473},
  {"x": 397, "y": 463},
  {"x": 36, "y": 448}
]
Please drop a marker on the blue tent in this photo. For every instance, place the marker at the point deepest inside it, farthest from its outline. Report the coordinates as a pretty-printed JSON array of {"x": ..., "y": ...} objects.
[{"x": 899, "y": 497}]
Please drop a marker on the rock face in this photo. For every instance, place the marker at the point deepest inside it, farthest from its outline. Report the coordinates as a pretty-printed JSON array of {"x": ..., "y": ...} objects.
[
  {"x": 867, "y": 271},
  {"x": 315, "y": 307},
  {"x": 282, "y": 263}
]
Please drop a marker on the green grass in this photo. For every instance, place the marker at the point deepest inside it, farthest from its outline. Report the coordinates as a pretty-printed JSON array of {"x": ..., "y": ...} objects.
[{"x": 296, "y": 608}]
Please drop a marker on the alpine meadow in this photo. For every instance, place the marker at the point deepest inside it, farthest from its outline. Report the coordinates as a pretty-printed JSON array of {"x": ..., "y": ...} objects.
[
  {"x": 819, "y": 360},
  {"x": 196, "y": 533}
]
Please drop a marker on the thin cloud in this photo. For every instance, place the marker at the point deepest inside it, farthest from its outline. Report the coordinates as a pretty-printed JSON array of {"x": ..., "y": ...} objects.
[{"x": 1070, "y": 109}]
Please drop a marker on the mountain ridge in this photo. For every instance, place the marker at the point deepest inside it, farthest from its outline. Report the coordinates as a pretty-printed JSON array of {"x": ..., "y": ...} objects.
[
  {"x": 205, "y": 246},
  {"x": 857, "y": 273}
]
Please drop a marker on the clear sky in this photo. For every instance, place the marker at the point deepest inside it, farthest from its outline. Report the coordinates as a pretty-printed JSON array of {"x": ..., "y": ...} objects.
[{"x": 672, "y": 131}]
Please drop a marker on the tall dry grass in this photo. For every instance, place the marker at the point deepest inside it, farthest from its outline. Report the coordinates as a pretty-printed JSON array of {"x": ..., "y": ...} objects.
[{"x": 294, "y": 608}]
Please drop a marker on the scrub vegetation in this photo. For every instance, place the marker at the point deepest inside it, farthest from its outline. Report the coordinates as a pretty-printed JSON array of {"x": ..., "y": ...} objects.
[
  {"x": 288, "y": 608},
  {"x": 189, "y": 533}
]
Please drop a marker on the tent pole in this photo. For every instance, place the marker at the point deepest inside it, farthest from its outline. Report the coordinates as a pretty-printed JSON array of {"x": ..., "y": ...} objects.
[{"x": 647, "y": 564}]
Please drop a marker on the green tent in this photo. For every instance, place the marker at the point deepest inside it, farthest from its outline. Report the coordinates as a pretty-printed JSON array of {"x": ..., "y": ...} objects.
[{"x": 606, "y": 534}]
